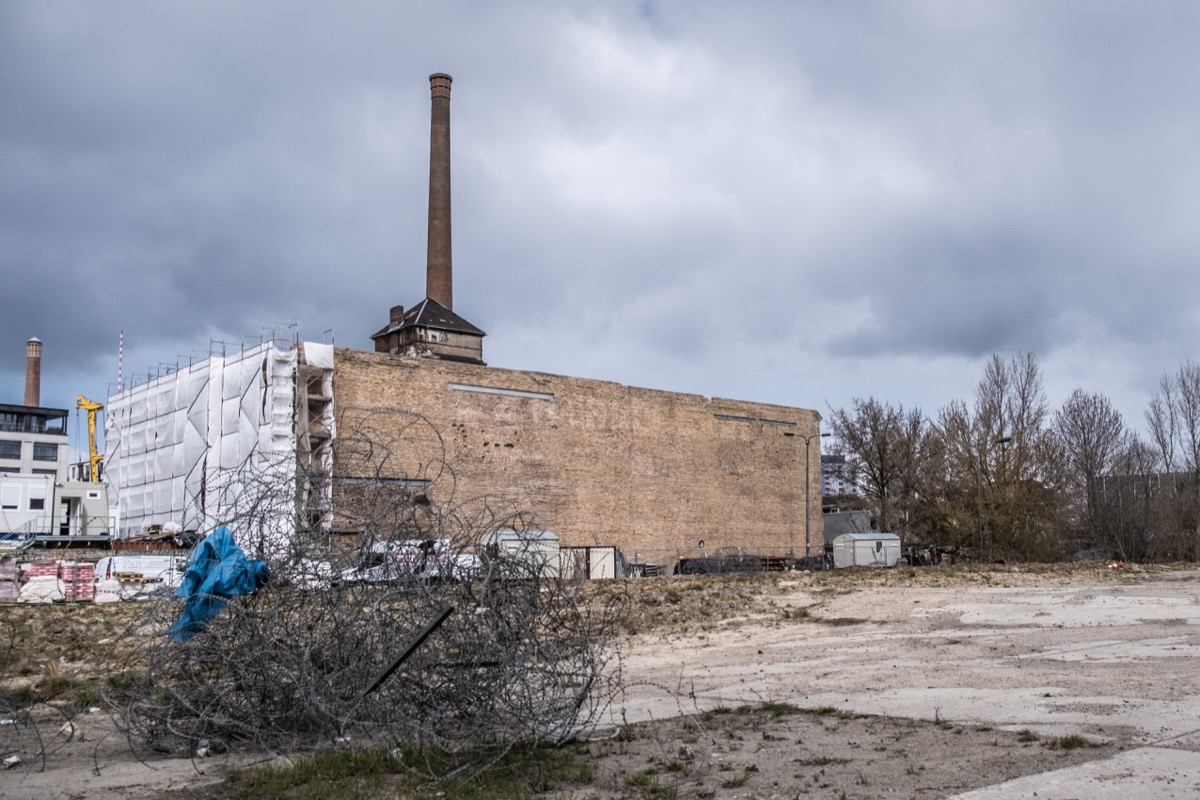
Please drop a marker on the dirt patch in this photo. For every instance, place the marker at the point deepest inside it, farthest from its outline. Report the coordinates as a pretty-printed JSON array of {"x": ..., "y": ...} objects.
[
  {"x": 855, "y": 683},
  {"x": 778, "y": 751}
]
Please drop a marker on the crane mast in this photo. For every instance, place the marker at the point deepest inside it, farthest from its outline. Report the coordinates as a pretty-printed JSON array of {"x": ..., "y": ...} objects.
[{"x": 95, "y": 458}]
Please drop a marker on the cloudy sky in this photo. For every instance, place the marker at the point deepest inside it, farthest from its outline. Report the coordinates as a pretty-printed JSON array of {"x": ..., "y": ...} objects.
[{"x": 799, "y": 202}]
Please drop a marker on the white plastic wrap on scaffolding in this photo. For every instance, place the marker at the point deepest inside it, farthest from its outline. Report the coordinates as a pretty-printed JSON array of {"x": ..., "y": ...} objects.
[
  {"x": 189, "y": 447},
  {"x": 316, "y": 430},
  {"x": 318, "y": 355}
]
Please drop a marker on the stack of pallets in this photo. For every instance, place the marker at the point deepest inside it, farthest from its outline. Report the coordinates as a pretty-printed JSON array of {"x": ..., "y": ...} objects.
[{"x": 78, "y": 581}]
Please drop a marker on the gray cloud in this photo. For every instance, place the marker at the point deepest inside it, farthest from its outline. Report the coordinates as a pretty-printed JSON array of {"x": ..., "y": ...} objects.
[{"x": 794, "y": 202}]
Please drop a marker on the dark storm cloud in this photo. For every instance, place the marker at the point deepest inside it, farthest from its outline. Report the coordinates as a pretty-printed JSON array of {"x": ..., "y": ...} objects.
[
  {"x": 783, "y": 201},
  {"x": 963, "y": 298}
]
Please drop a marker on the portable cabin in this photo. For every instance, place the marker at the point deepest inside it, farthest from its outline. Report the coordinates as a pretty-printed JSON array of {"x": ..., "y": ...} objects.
[
  {"x": 595, "y": 562},
  {"x": 537, "y": 552},
  {"x": 866, "y": 550}
]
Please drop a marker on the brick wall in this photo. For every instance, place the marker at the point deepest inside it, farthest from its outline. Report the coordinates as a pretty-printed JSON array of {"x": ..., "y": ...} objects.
[{"x": 651, "y": 472}]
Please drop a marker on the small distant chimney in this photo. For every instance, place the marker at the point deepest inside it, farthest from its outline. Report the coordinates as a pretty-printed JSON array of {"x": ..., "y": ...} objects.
[
  {"x": 396, "y": 316},
  {"x": 33, "y": 372},
  {"x": 438, "y": 279}
]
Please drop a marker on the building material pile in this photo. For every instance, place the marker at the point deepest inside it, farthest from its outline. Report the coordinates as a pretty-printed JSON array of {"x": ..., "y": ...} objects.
[{"x": 9, "y": 588}]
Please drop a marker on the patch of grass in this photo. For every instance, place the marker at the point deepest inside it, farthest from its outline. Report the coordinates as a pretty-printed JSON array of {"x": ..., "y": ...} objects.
[
  {"x": 640, "y": 780},
  {"x": 713, "y": 713},
  {"x": 822, "y": 761},
  {"x": 54, "y": 683},
  {"x": 329, "y": 774},
  {"x": 648, "y": 786},
  {"x": 348, "y": 774},
  {"x": 123, "y": 680},
  {"x": 86, "y": 695},
  {"x": 773, "y": 709},
  {"x": 19, "y": 697},
  {"x": 778, "y": 710},
  {"x": 1071, "y": 742},
  {"x": 738, "y": 781},
  {"x": 1026, "y": 735}
]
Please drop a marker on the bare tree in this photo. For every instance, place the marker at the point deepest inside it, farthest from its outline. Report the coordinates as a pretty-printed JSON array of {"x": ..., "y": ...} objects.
[
  {"x": 1136, "y": 511},
  {"x": 883, "y": 445},
  {"x": 1003, "y": 468},
  {"x": 1093, "y": 435},
  {"x": 1173, "y": 419}
]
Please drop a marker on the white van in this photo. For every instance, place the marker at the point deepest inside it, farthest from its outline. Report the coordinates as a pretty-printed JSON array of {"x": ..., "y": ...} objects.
[{"x": 149, "y": 569}]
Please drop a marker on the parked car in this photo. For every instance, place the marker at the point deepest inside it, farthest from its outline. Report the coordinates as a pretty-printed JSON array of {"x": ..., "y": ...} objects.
[{"x": 417, "y": 560}]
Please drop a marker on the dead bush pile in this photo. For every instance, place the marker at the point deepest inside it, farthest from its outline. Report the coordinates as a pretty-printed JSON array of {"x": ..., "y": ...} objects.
[{"x": 318, "y": 654}]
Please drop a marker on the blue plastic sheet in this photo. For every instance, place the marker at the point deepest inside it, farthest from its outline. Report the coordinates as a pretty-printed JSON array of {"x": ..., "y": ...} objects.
[{"x": 216, "y": 571}]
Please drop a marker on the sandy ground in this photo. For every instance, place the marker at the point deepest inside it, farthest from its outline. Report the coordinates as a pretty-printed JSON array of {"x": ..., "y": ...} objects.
[
  {"x": 953, "y": 685},
  {"x": 1033, "y": 687}
]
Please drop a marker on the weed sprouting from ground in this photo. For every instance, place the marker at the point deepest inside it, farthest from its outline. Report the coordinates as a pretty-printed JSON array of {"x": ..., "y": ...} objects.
[{"x": 1070, "y": 742}]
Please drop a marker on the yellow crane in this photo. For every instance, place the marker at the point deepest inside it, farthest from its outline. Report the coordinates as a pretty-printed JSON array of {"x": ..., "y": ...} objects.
[{"x": 96, "y": 458}]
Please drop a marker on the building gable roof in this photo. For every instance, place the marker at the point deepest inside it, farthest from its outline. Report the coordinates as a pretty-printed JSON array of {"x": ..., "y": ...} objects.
[{"x": 430, "y": 313}]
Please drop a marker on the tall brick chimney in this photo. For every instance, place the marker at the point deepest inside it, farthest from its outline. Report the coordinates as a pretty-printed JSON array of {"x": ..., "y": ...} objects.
[
  {"x": 431, "y": 328},
  {"x": 438, "y": 279},
  {"x": 33, "y": 372}
]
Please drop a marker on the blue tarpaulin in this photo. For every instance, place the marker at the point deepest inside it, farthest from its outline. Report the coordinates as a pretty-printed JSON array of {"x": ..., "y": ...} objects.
[{"x": 216, "y": 571}]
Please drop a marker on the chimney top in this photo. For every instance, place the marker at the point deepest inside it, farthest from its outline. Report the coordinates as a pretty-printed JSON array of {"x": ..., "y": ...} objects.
[
  {"x": 439, "y": 283},
  {"x": 33, "y": 372}
]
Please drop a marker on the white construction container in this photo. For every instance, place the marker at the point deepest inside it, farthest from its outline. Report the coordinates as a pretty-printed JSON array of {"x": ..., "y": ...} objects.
[
  {"x": 866, "y": 550},
  {"x": 597, "y": 562},
  {"x": 538, "y": 551}
]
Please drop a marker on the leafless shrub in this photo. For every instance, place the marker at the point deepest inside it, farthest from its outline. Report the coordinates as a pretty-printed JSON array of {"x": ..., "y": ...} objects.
[{"x": 303, "y": 661}]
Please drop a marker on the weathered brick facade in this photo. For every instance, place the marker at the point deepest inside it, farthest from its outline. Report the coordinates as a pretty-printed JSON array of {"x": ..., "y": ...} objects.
[{"x": 652, "y": 472}]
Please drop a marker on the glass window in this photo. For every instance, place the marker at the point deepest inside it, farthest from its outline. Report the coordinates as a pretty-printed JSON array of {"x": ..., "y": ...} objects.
[
  {"x": 43, "y": 451},
  {"x": 10, "y": 449},
  {"x": 37, "y": 504}
]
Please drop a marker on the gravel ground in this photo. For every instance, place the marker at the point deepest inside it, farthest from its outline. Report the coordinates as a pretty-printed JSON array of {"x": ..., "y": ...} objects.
[{"x": 969, "y": 682}]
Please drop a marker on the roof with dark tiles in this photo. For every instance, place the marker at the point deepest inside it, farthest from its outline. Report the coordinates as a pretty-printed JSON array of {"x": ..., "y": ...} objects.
[{"x": 431, "y": 314}]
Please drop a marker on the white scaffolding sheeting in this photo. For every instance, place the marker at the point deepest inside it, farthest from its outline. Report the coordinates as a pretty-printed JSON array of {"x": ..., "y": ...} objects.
[{"x": 178, "y": 446}]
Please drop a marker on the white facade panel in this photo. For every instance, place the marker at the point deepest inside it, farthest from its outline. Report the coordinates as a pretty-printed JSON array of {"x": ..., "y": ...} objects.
[{"x": 174, "y": 441}]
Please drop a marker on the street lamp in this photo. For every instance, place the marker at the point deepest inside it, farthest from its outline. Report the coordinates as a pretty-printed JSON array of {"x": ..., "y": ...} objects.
[{"x": 1003, "y": 442}]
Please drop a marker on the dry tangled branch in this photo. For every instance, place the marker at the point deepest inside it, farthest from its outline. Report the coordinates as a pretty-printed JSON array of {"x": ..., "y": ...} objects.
[{"x": 303, "y": 661}]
